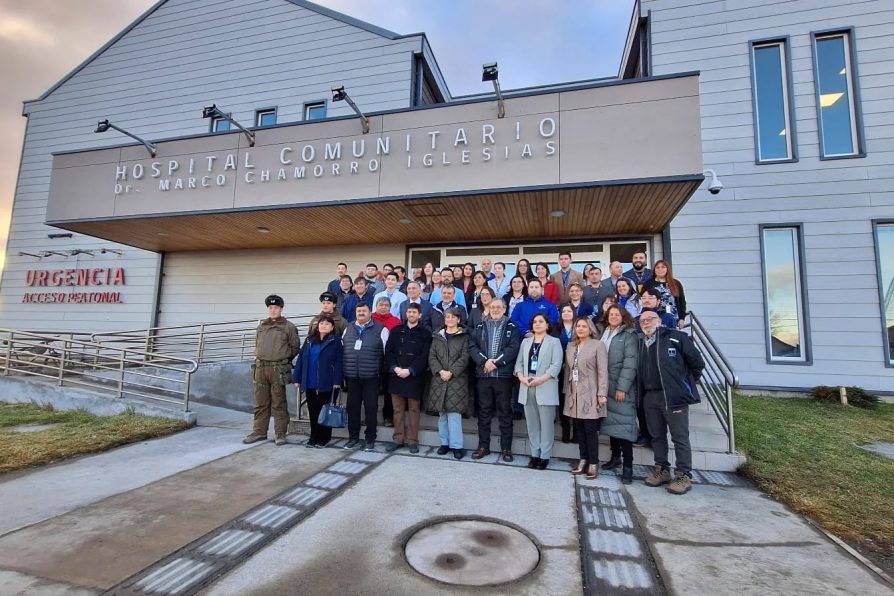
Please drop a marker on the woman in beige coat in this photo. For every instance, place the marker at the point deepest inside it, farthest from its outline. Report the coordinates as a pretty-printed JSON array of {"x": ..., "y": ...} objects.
[{"x": 586, "y": 388}]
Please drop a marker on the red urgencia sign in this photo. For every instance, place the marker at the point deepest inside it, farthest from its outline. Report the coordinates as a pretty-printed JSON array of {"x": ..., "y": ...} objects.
[{"x": 74, "y": 277}]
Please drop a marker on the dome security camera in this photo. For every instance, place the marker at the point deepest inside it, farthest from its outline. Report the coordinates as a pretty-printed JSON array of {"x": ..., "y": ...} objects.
[{"x": 715, "y": 186}]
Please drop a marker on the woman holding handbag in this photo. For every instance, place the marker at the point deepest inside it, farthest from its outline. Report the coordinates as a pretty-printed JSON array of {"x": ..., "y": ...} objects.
[{"x": 319, "y": 371}]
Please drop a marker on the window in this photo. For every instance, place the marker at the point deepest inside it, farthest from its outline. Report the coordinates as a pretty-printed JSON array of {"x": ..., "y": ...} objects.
[
  {"x": 220, "y": 125},
  {"x": 834, "y": 71},
  {"x": 774, "y": 136},
  {"x": 315, "y": 110},
  {"x": 784, "y": 295},
  {"x": 884, "y": 247},
  {"x": 265, "y": 117}
]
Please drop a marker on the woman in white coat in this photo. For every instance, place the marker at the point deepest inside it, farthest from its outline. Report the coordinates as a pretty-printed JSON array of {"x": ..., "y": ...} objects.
[{"x": 537, "y": 367}]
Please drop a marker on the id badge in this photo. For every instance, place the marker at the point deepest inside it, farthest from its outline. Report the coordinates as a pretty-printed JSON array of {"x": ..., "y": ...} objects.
[
  {"x": 533, "y": 367},
  {"x": 574, "y": 375},
  {"x": 668, "y": 309},
  {"x": 357, "y": 344}
]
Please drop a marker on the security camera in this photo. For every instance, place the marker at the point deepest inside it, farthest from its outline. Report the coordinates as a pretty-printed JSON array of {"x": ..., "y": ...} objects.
[{"x": 715, "y": 186}]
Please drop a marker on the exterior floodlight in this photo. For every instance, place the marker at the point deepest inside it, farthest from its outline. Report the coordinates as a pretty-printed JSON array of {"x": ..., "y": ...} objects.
[
  {"x": 490, "y": 72},
  {"x": 715, "y": 186},
  {"x": 104, "y": 125},
  {"x": 339, "y": 94},
  {"x": 213, "y": 111}
]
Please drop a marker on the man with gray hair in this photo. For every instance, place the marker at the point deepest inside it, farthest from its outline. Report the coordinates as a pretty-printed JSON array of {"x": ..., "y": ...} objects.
[
  {"x": 448, "y": 294},
  {"x": 669, "y": 367},
  {"x": 493, "y": 345}
]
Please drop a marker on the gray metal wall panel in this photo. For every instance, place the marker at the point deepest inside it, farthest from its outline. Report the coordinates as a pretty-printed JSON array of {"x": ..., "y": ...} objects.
[{"x": 835, "y": 200}]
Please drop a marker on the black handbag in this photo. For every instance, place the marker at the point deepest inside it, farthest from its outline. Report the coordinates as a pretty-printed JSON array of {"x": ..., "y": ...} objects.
[{"x": 333, "y": 415}]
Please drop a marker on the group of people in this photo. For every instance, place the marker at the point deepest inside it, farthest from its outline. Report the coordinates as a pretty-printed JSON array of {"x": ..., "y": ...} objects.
[{"x": 601, "y": 355}]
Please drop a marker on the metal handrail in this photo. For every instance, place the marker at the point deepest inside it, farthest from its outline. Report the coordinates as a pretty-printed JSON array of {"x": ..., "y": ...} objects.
[
  {"x": 99, "y": 367},
  {"x": 718, "y": 379},
  {"x": 231, "y": 341}
]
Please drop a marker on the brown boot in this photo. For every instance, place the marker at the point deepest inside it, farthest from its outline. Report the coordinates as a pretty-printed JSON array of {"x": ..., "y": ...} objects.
[
  {"x": 658, "y": 476},
  {"x": 681, "y": 484},
  {"x": 254, "y": 437},
  {"x": 581, "y": 467},
  {"x": 280, "y": 439},
  {"x": 592, "y": 471}
]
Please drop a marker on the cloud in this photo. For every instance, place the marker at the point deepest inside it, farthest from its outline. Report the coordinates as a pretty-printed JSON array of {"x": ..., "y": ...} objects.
[{"x": 17, "y": 30}]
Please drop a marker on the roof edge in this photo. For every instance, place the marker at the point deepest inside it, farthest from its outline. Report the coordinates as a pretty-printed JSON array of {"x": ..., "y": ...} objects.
[
  {"x": 340, "y": 16},
  {"x": 301, "y": 3},
  {"x": 94, "y": 55}
]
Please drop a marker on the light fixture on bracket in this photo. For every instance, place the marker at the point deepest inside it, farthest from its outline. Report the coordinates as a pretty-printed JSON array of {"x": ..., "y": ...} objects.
[
  {"x": 104, "y": 125},
  {"x": 339, "y": 94},
  {"x": 213, "y": 111},
  {"x": 490, "y": 72}
]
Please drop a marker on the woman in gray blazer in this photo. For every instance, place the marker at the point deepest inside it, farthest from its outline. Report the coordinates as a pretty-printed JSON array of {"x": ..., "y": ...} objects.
[{"x": 537, "y": 367}]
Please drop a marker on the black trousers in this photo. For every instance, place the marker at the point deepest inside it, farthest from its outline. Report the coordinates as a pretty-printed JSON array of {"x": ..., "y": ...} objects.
[
  {"x": 587, "y": 431},
  {"x": 387, "y": 405},
  {"x": 365, "y": 393},
  {"x": 661, "y": 420},
  {"x": 319, "y": 434},
  {"x": 643, "y": 425},
  {"x": 495, "y": 394},
  {"x": 624, "y": 448}
]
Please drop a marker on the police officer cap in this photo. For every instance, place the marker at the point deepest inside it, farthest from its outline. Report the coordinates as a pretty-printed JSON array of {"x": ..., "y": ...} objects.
[
  {"x": 274, "y": 300},
  {"x": 328, "y": 297}
]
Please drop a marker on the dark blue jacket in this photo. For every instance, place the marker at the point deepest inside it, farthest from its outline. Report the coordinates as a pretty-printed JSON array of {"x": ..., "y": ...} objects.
[
  {"x": 525, "y": 311},
  {"x": 680, "y": 366},
  {"x": 351, "y": 301},
  {"x": 509, "y": 345},
  {"x": 329, "y": 363},
  {"x": 425, "y": 305}
]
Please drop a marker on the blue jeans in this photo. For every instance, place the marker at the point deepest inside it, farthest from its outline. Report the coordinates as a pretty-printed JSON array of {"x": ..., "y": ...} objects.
[{"x": 450, "y": 429}]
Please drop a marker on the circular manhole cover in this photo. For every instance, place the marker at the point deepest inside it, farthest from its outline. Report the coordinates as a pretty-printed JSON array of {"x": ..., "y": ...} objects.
[{"x": 472, "y": 553}]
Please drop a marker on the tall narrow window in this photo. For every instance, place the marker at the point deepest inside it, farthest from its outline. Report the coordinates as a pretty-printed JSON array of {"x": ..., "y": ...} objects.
[
  {"x": 784, "y": 296},
  {"x": 835, "y": 97},
  {"x": 884, "y": 243},
  {"x": 771, "y": 92}
]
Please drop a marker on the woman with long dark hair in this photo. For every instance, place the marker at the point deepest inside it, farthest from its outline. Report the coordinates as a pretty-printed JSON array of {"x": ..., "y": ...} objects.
[
  {"x": 518, "y": 291},
  {"x": 627, "y": 297},
  {"x": 319, "y": 372},
  {"x": 564, "y": 330},
  {"x": 479, "y": 283},
  {"x": 670, "y": 291},
  {"x": 523, "y": 268},
  {"x": 586, "y": 386}
]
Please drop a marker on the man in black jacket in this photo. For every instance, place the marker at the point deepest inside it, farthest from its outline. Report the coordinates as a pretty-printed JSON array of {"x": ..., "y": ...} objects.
[
  {"x": 406, "y": 361},
  {"x": 493, "y": 345},
  {"x": 669, "y": 367}
]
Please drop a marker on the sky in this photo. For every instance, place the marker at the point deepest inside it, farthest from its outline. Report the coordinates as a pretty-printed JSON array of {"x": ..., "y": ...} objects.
[{"x": 534, "y": 41}]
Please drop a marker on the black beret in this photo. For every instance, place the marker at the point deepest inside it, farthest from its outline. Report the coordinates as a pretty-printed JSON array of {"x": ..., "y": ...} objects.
[{"x": 274, "y": 300}]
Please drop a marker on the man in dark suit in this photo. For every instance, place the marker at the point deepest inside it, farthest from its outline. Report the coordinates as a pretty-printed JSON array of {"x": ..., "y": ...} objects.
[{"x": 414, "y": 296}]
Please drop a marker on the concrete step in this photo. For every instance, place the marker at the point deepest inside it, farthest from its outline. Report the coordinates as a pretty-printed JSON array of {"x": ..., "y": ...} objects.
[{"x": 708, "y": 442}]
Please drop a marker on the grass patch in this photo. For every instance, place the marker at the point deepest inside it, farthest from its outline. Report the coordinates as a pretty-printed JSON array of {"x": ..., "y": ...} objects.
[
  {"x": 806, "y": 454},
  {"x": 77, "y": 433}
]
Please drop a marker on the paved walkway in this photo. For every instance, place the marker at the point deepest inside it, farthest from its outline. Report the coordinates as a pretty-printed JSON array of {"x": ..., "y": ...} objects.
[{"x": 198, "y": 512}]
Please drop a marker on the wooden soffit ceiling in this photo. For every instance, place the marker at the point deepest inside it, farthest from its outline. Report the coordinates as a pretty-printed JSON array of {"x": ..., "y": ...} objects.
[{"x": 606, "y": 210}]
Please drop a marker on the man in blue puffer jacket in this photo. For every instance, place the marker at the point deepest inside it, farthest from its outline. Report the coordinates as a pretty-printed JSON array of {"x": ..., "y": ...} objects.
[
  {"x": 669, "y": 367},
  {"x": 533, "y": 304}
]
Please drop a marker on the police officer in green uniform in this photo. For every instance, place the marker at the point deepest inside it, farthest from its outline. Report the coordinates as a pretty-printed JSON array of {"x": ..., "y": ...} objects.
[{"x": 276, "y": 345}]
